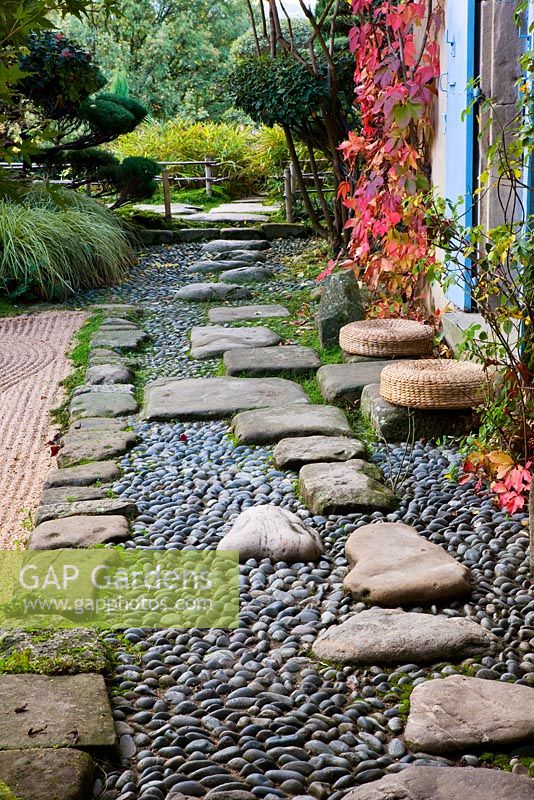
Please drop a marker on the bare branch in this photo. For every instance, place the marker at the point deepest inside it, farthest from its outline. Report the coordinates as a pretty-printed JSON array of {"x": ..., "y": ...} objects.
[{"x": 254, "y": 29}]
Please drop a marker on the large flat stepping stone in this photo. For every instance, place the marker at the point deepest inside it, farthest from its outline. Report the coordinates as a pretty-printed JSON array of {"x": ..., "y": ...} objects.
[
  {"x": 270, "y": 425},
  {"x": 121, "y": 339},
  {"x": 104, "y": 507},
  {"x": 242, "y": 234},
  {"x": 271, "y": 360},
  {"x": 81, "y": 531},
  {"x": 206, "y": 267},
  {"x": 218, "y": 398},
  {"x": 241, "y": 258},
  {"x": 94, "y": 446},
  {"x": 446, "y": 783},
  {"x": 47, "y": 774},
  {"x": 108, "y": 373},
  {"x": 60, "y": 652},
  {"x": 459, "y": 713},
  {"x": 236, "y": 313},
  {"x": 198, "y": 234},
  {"x": 392, "y": 565},
  {"x": 397, "y": 424},
  {"x": 285, "y": 230},
  {"x": 103, "y": 424},
  {"x": 274, "y": 533},
  {"x": 348, "y": 487},
  {"x": 294, "y": 453},
  {"x": 67, "y": 710},
  {"x": 246, "y": 275},
  {"x": 68, "y": 494},
  {"x": 83, "y": 475},
  {"x": 211, "y": 341},
  {"x": 206, "y": 292},
  {"x": 391, "y": 636},
  {"x": 231, "y": 245},
  {"x": 103, "y": 404},
  {"x": 117, "y": 309},
  {"x": 344, "y": 383}
]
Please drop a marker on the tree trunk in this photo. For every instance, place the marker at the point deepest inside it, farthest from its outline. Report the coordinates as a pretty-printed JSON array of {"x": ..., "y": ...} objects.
[{"x": 531, "y": 527}]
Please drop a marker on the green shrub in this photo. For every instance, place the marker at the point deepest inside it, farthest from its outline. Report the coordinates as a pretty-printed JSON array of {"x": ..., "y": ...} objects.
[{"x": 54, "y": 244}]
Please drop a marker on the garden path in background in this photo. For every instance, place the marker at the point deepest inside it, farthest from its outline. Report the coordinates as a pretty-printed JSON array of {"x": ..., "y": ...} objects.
[
  {"x": 250, "y": 209},
  {"x": 33, "y": 363}
]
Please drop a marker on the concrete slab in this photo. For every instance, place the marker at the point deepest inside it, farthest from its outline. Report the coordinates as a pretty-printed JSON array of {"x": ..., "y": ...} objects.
[{"x": 271, "y": 360}]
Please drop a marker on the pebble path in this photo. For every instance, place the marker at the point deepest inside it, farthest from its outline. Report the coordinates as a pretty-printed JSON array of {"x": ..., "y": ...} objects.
[{"x": 251, "y": 709}]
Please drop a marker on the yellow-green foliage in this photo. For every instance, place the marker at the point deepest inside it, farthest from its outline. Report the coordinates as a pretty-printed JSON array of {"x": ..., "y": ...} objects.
[{"x": 250, "y": 154}]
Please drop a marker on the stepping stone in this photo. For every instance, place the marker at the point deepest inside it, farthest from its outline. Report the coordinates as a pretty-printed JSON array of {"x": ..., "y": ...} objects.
[
  {"x": 83, "y": 531},
  {"x": 246, "y": 275},
  {"x": 340, "y": 304},
  {"x": 446, "y": 783},
  {"x": 214, "y": 266},
  {"x": 460, "y": 713},
  {"x": 230, "y": 245},
  {"x": 107, "y": 506},
  {"x": 119, "y": 323},
  {"x": 60, "y": 652},
  {"x": 392, "y": 565},
  {"x": 391, "y": 636},
  {"x": 117, "y": 309},
  {"x": 242, "y": 234},
  {"x": 108, "y": 373},
  {"x": 236, "y": 313},
  {"x": 119, "y": 338},
  {"x": 352, "y": 358},
  {"x": 211, "y": 341},
  {"x": 92, "y": 424},
  {"x": 198, "y": 234},
  {"x": 204, "y": 292},
  {"x": 105, "y": 388},
  {"x": 68, "y": 494},
  {"x": 218, "y": 398},
  {"x": 398, "y": 424},
  {"x": 84, "y": 475},
  {"x": 271, "y": 360},
  {"x": 285, "y": 230},
  {"x": 295, "y": 453},
  {"x": 246, "y": 206},
  {"x": 242, "y": 256},
  {"x": 47, "y": 774},
  {"x": 92, "y": 445},
  {"x": 274, "y": 533},
  {"x": 228, "y": 216},
  {"x": 270, "y": 425},
  {"x": 56, "y": 707},
  {"x": 344, "y": 383},
  {"x": 349, "y": 487},
  {"x": 100, "y": 404}
]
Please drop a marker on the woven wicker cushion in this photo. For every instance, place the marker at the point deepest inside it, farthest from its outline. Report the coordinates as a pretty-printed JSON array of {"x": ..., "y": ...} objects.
[
  {"x": 387, "y": 337},
  {"x": 431, "y": 383}
]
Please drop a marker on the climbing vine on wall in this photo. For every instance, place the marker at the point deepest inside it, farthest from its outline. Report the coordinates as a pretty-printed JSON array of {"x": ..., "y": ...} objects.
[{"x": 397, "y": 63}]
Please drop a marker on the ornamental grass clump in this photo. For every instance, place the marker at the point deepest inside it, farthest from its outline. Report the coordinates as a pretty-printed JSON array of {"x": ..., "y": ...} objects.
[{"x": 54, "y": 244}]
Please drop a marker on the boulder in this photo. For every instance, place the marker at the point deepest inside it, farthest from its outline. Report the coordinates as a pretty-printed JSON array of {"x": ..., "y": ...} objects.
[
  {"x": 340, "y": 304},
  {"x": 459, "y": 713},
  {"x": 274, "y": 533},
  {"x": 271, "y": 360},
  {"x": 211, "y": 341},
  {"x": 295, "y": 453},
  {"x": 205, "y": 292},
  {"x": 269, "y": 425},
  {"x": 82, "y": 531},
  {"x": 348, "y": 487},
  {"x": 236, "y": 313},
  {"x": 382, "y": 636},
  {"x": 392, "y": 565}
]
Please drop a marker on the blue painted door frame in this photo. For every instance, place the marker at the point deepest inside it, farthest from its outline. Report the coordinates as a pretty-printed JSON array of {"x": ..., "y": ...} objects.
[{"x": 459, "y": 130}]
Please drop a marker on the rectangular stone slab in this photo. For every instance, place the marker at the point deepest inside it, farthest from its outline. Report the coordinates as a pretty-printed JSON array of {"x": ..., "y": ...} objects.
[
  {"x": 119, "y": 339},
  {"x": 47, "y": 774},
  {"x": 271, "y": 360},
  {"x": 94, "y": 446},
  {"x": 392, "y": 565},
  {"x": 347, "y": 487},
  {"x": 80, "y": 531},
  {"x": 217, "y": 398},
  {"x": 210, "y": 341},
  {"x": 68, "y": 710},
  {"x": 344, "y": 383},
  {"x": 107, "y": 506},
  {"x": 271, "y": 425},
  {"x": 67, "y": 494},
  {"x": 295, "y": 453},
  {"x": 236, "y": 313},
  {"x": 103, "y": 404},
  {"x": 83, "y": 475}
]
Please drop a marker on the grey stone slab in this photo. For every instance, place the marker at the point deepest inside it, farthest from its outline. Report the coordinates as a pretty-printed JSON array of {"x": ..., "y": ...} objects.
[
  {"x": 211, "y": 341},
  {"x": 84, "y": 475},
  {"x": 104, "y": 388},
  {"x": 68, "y": 494},
  {"x": 66, "y": 709},
  {"x": 391, "y": 636},
  {"x": 270, "y": 425},
  {"x": 242, "y": 257},
  {"x": 285, "y": 230},
  {"x": 94, "y": 445},
  {"x": 229, "y": 216},
  {"x": 217, "y": 398},
  {"x": 236, "y": 313},
  {"x": 207, "y": 292},
  {"x": 81, "y": 531},
  {"x": 340, "y": 304},
  {"x": 459, "y": 713},
  {"x": 106, "y": 506},
  {"x": 344, "y": 383},
  {"x": 119, "y": 323},
  {"x": 446, "y": 783},
  {"x": 92, "y": 424},
  {"x": 229, "y": 245},
  {"x": 208, "y": 266},
  {"x": 274, "y": 533},
  {"x": 149, "y": 237},
  {"x": 108, "y": 373},
  {"x": 392, "y": 565},
  {"x": 271, "y": 360},
  {"x": 347, "y": 487},
  {"x": 246, "y": 275},
  {"x": 295, "y": 453},
  {"x": 198, "y": 234},
  {"x": 56, "y": 652},
  {"x": 350, "y": 358},
  {"x": 398, "y": 424},
  {"x": 121, "y": 339},
  {"x": 99, "y": 404},
  {"x": 47, "y": 774},
  {"x": 117, "y": 309},
  {"x": 242, "y": 234}
]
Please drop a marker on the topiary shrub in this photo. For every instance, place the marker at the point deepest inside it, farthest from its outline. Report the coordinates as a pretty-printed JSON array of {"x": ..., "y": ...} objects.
[{"x": 111, "y": 114}]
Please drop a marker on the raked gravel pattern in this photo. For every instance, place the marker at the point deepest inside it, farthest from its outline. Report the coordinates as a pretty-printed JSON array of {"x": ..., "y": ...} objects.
[{"x": 249, "y": 709}]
